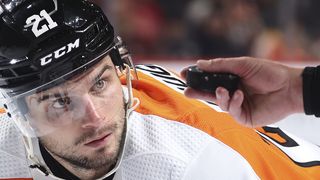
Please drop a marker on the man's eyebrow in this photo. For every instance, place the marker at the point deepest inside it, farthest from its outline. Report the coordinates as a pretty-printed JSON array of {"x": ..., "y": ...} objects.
[
  {"x": 46, "y": 96},
  {"x": 106, "y": 67}
]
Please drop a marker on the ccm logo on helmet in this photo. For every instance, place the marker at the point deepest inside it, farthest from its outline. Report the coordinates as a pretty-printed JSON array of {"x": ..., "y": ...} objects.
[{"x": 60, "y": 52}]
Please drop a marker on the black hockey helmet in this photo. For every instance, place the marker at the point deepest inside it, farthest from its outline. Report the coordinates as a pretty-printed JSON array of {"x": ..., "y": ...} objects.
[{"x": 41, "y": 40}]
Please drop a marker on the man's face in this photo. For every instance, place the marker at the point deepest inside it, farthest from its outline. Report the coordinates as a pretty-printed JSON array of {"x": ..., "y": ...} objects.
[{"x": 82, "y": 121}]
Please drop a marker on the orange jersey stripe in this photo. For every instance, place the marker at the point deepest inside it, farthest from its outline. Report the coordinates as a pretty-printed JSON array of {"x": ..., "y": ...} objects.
[{"x": 2, "y": 111}]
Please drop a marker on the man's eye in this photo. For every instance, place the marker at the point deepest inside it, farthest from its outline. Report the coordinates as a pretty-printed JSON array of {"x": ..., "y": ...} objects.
[
  {"x": 100, "y": 84},
  {"x": 61, "y": 103}
]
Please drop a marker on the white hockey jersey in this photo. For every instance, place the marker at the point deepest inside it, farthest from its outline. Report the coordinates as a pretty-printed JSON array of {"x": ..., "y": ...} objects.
[{"x": 156, "y": 149}]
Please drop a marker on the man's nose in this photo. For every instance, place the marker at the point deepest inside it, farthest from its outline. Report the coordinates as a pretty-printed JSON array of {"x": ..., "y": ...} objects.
[{"x": 92, "y": 118}]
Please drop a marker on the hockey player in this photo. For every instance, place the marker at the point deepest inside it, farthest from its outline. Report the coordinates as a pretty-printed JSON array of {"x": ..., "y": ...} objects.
[{"x": 67, "y": 87}]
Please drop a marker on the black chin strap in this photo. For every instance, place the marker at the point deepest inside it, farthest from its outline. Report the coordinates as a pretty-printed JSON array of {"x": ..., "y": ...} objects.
[{"x": 41, "y": 168}]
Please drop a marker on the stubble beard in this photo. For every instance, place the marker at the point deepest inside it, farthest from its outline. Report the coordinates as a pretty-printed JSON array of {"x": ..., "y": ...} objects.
[{"x": 82, "y": 162}]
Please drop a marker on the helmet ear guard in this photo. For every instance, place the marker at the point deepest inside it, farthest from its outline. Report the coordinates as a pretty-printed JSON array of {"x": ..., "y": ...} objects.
[
  {"x": 120, "y": 56},
  {"x": 116, "y": 55}
]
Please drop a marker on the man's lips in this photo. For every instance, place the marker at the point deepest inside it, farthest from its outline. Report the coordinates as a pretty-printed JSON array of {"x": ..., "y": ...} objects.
[{"x": 99, "y": 141}]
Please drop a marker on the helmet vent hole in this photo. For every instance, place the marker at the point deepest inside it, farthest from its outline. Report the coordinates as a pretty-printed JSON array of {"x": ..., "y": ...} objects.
[
  {"x": 99, "y": 39},
  {"x": 91, "y": 34}
]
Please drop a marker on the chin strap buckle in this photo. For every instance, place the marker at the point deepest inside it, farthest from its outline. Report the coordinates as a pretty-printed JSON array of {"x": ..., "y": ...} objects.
[{"x": 41, "y": 168}]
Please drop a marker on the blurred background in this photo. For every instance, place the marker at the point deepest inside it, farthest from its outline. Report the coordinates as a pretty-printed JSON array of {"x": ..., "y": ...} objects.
[
  {"x": 175, "y": 33},
  {"x": 282, "y": 30}
]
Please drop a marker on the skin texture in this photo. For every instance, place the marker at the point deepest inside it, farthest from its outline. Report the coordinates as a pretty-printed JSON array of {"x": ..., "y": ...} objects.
[
  {"x": 81, "y": 123},
  {"x": 269, "y": 91}
]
